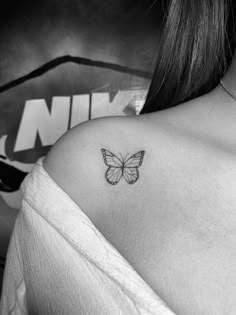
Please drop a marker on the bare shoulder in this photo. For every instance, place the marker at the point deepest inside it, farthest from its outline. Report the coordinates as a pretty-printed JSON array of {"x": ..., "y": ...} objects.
[
  {"x": 77, "y": 148},
  {"x": 81, "y": 154},
  {"x": 125, "y": 162},
  {"x": 80, "y": 159}
]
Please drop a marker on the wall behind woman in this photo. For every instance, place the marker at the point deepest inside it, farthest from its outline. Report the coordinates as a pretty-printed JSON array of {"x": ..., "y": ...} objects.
[{"x": 36, "y": 110}]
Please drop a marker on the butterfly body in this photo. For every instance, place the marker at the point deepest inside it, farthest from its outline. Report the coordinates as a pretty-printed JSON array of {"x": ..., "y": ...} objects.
[{"x": 122, "y": 167}]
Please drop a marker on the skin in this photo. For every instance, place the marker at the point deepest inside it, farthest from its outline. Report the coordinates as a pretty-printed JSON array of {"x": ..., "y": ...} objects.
[{"x": 177, "y": 224}]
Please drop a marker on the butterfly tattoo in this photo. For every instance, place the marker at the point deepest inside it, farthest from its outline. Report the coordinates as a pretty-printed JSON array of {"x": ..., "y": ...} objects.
[{"x": 122, "y": 167}]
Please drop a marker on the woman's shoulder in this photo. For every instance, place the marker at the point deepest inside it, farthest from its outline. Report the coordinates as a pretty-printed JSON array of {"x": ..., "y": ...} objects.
[
  {"x": 79, "y": 160},
  {"x": 81, "y": 149},
  {"x": 115, "y": 159},
  {"x": 85, "y": 150},
  {"x": 108, "y": 162}
]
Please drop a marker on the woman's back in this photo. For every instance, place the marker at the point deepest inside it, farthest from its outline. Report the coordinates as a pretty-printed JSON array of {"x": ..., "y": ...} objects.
[{"x": 177, "y": 224}]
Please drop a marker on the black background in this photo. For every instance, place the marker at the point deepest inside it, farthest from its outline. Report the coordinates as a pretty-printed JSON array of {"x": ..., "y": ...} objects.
[{"x": 120, "y": 31}]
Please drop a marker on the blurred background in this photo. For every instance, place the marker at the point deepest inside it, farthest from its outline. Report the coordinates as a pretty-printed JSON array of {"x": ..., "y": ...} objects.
[{"x": 63, "y": 62}]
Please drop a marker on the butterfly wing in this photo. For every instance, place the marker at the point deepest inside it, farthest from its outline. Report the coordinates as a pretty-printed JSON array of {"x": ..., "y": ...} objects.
[
  {"x": 111, "y": 159},
  {"x": 131, "y": 174},
  {"x": 113, "y": 175},
  {"x": 135, "y": 160},
  {"x": 131, "y": 165},
  {"x": 114, "y": 171}
]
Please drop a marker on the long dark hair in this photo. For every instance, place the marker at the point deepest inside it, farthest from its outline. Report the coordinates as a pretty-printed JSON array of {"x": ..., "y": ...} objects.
[{"x": 196, "y": 49}]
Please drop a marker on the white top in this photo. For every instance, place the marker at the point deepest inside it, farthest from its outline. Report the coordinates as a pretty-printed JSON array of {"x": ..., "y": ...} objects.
[{"x": 58, "y": 262}]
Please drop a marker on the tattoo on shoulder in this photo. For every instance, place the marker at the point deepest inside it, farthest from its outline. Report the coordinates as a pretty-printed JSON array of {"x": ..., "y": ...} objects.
[{"x": 119, "y": 167}]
